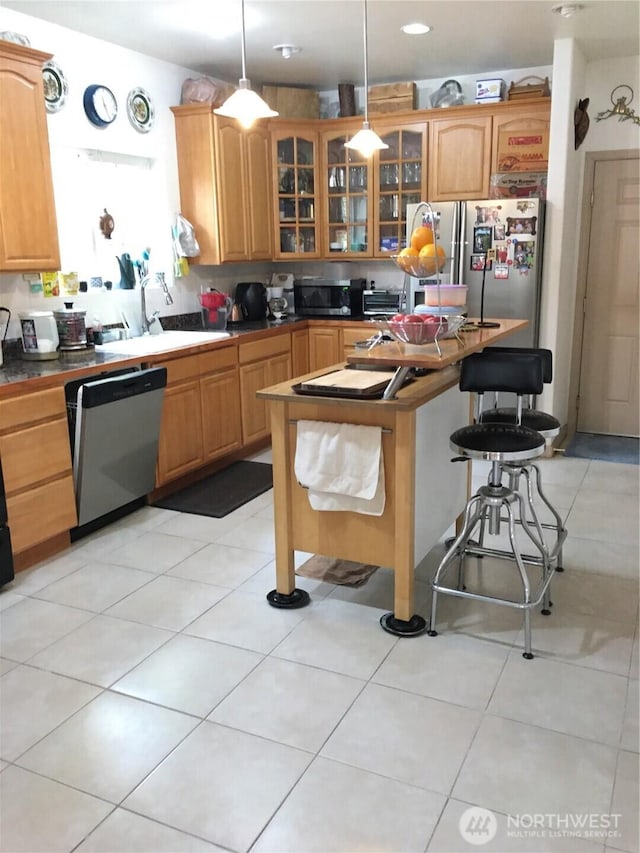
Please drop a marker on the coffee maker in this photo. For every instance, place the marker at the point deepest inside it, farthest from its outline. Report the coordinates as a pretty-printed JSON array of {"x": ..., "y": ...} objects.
[{"x": 251, "y": 298}]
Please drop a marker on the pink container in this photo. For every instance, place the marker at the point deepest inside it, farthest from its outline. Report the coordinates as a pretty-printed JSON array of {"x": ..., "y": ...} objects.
[{"x": 450, "y": 294}]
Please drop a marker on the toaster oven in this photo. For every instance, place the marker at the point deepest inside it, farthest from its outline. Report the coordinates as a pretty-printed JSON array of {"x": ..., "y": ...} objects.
[{"x": 383, "y": 302}]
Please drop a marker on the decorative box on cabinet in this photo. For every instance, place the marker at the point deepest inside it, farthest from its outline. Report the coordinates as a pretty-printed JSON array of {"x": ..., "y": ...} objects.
[
  {"x": 28, "y": 227},
  {"x": 225, "y": 184}
]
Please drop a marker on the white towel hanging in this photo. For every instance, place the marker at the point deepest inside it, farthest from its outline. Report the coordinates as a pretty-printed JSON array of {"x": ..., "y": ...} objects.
[{"x": 341, "y": 465}]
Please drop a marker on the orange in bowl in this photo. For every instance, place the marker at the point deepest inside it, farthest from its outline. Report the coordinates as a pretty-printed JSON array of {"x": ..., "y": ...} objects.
[
  {"x": 421, "y": 236},
  {"x": 407, "y": 258},
  {"x": 428, "y": 262}
]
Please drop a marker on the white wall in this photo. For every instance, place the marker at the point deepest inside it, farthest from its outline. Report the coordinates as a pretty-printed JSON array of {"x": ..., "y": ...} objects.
[
  {"x": 574, "y": 79},
  {"x": 86, "y": 60}
]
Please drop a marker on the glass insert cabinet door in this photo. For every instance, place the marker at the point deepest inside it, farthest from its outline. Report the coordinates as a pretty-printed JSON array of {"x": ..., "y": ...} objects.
[
  {"x": 297, "y": 207},
  {"x": 400, "y": 180},
  {"x": 346, "y": 184}
]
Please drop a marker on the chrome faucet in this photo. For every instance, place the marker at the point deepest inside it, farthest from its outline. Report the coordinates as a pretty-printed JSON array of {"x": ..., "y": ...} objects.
[{"x": 147, "y": 321}]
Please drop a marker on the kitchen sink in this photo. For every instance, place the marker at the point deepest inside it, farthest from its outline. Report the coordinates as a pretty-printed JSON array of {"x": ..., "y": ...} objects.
[{"x": 149, "y": 344}]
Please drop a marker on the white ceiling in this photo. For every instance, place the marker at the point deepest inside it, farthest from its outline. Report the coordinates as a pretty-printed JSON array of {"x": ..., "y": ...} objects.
[{"x": 468, "y": 36}]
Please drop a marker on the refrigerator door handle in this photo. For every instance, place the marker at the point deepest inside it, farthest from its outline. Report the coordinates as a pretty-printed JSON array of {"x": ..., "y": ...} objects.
[{"x": 460, "y": 270}]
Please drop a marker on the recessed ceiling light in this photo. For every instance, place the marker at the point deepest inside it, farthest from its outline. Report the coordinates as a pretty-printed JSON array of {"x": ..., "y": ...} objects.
[
  {"x": 567, "y": 10},
  {"x": 415, "y": 29},
  {"x": 287, "y": 50}
]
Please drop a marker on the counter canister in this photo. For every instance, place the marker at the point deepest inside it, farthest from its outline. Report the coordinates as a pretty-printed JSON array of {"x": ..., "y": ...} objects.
[
  {"x": 71, "y": 326},
  {"x": 39, "y": 335}
]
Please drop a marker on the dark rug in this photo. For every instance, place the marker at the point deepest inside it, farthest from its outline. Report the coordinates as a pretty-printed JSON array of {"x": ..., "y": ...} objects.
[
  {"x": 610, "y": 448},
  {"x": 222, "y": 492}
]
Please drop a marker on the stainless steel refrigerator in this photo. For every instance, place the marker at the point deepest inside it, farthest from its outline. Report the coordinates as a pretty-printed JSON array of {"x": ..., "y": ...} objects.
[{"x": 501, "y": 239}]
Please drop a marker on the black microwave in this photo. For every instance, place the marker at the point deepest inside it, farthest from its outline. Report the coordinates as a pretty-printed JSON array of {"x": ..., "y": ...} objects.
[{"x": 322, "y": 297}]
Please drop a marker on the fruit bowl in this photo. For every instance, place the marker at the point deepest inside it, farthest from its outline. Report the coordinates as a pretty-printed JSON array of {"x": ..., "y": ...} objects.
[
  {"x": 421, "y": 266},
  {"x": 422, "y": 332}
]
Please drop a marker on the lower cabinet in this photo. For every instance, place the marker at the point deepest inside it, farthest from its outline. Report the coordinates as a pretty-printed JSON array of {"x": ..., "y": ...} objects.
[
  {"x": 325, "y": 348},
  {"x": 299, "y": 352},
  {"x": 200, "y": 413},
  {"x": 37, "y": 468},
  {"x": 262, "y": 363}
]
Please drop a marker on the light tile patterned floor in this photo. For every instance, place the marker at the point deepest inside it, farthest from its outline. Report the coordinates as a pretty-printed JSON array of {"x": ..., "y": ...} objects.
[{"x": 152, "y": 701}]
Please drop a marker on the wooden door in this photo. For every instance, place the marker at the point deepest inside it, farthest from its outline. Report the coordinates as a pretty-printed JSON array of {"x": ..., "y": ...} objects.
[
  {"x": 299, "y": 352},
  {"x": 459, "y": 158},
  {"x": 231, "y": 182},
  {"x": 295, "y": 182},
  {"x": 180, "y": 446},
  {"x": 28, "y": 227},
  {"x": 255, "y": 425},
  {"x": 221, "y": 426},
  {"x": 258, "y": 201},
  {"x": 324, "y": 348},
  {"x": 346, "y": 182},
  {"x": 608, "y": 392}
]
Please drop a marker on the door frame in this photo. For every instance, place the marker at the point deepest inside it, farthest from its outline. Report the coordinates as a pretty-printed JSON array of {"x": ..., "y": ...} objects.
[{"x": 586, "y": 215}]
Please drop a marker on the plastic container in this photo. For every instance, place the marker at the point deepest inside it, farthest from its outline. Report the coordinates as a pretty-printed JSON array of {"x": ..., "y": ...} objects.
[{"x": 450, "y": 294}]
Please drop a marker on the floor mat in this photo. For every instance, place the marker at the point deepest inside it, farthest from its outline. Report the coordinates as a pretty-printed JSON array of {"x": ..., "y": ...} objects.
[
  {"x": 341, "y": 572},
  {"x": 611, "y": 448},
  {"x": 222, "y": 492}
]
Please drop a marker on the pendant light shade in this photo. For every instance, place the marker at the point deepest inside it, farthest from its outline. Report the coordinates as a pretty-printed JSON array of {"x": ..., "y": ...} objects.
[
  {"x": 245, "y": 104},
  {"x": 366, "y": 140}
]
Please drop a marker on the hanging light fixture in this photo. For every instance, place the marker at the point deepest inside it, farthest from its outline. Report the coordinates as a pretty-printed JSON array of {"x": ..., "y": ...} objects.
[
  {"x": 245, "y": 104},
  {"x": 366, "y": 141}
]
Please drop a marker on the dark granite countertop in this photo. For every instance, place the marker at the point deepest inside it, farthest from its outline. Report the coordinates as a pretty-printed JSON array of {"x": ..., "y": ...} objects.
[{"x": 15, "y": 369}]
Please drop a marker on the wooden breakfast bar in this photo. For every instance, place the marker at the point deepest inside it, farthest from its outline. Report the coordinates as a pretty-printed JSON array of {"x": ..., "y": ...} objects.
[{"x": 424, "y": 492}]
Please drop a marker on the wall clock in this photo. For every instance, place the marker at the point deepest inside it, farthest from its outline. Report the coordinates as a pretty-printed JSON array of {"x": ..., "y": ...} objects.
[
  {"x": 100, "y": 105},
  {"x": 55, "y": 87},
  {"x": 140, "y": 110}
]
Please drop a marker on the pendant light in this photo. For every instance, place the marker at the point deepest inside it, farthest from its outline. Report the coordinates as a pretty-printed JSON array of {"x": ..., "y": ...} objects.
[
  {"x": 366, "y": 141},
  {"x": 245, "y": 104}
]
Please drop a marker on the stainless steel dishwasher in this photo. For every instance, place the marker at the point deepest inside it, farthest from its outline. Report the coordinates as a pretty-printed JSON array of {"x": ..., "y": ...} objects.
[{"x": 114, "y": 427}]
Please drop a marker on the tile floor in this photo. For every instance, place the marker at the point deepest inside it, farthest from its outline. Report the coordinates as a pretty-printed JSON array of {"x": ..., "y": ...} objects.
[{"x": 152, "y": 701}]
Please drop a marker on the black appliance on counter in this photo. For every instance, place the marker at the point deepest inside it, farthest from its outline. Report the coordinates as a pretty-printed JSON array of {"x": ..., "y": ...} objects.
[
  {"x": 251, "y": 298},
  {"x": 6, "y": 557},
  {"x": 322, "y": 297}
]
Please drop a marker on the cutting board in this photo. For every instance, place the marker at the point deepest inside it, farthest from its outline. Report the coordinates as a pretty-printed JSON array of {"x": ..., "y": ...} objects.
[{"x": 347, "y": 382}]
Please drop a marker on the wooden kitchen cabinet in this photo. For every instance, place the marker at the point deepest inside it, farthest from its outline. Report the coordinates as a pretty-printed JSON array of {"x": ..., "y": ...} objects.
[
  {"x": 459, "y": 157},
  {"x": 28, "y": 227},
  {"x": 200, "y": 412},
  {"x": 299, "y": 352},
  {"x": 346, "y": 195},
  {"x": 220, "y": 402},
  {"x": 37, "y": 468},
  {"x": 400, "y": 179},
  {"x": 225, "y": 184},
  {"x": 262, "y": 363},
  {"x": 325, "y": 347},
  {"x": 295, "y": 191},
  {"x": 529, "y": 118}
]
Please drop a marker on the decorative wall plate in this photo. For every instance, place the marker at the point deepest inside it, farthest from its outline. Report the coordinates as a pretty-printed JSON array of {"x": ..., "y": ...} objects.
[
  {"x": 56, "y": 88},
  {"x": 140, "y": 110}
]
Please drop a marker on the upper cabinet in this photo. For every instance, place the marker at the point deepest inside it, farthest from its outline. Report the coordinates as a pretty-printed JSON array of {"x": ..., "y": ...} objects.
[
  {"x": 459, "y": 158},
  {"x": 28, "y": 227},
  {"x": 400, "y": 179},
  {"x": 295, "y": 191},
  {"x": 224, "y": 174},
  {"x": 346, "y": 191}
]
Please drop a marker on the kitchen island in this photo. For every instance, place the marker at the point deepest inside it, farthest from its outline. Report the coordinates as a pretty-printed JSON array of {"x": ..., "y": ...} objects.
[{"x": 425, "y": 493}]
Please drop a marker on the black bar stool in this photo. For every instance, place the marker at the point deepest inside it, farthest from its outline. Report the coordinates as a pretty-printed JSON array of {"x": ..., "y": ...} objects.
[
  {"x": 501, "y": 444},
  {"x": 548, "y": 427}
]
